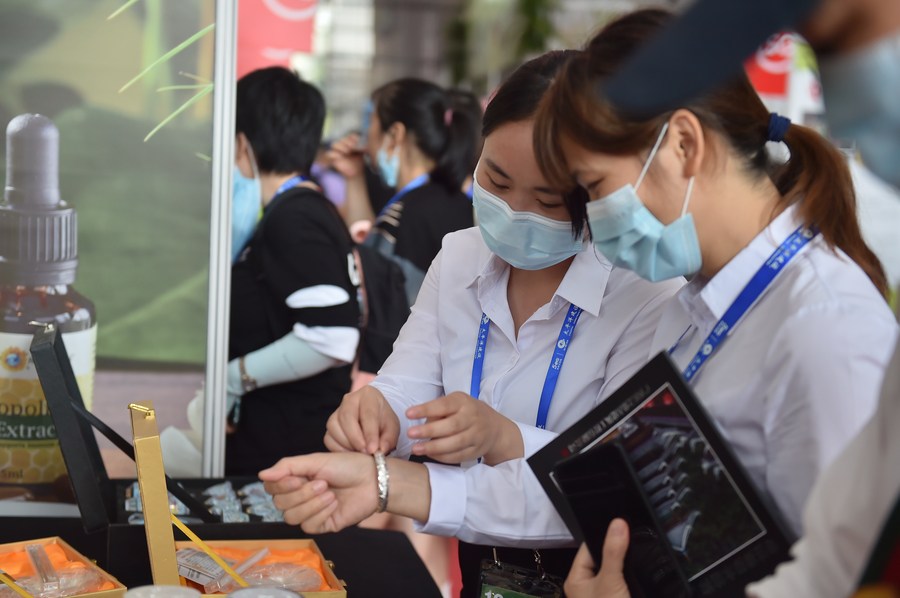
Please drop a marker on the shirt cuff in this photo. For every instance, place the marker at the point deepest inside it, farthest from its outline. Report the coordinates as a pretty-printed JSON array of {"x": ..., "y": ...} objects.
[
  {"x": 448, "y": 500},
  {"x": 534, "y": 439}
]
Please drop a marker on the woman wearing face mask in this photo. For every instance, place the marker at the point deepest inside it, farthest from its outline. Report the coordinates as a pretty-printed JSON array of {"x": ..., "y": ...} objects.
[
  {"x": 422, "y": 147},
  {"x": 553, "y": 329},
  {"x": 783, "y": 330},
  {"x": 294, "y": 312}
]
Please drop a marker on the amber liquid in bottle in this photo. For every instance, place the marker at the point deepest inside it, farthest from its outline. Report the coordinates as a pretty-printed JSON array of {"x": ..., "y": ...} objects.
[{"x": 30, "y": 460}]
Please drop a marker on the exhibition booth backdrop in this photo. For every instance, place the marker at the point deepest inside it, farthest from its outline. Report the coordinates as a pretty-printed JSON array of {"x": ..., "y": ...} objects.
[{"x": 142, "y": 95}]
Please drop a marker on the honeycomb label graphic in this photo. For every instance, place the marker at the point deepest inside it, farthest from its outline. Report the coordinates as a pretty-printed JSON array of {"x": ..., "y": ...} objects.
[
  {"x": 14, "y": 359},
  {"x": 29, "y": 450}
]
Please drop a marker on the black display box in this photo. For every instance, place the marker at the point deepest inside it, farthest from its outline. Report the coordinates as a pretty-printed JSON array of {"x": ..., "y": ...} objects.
[
  {"x": 724, "y": 531},
  {"x": 373, "y": 562}
]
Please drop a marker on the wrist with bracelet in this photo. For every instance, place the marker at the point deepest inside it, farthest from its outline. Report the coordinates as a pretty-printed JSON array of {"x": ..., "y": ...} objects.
[
  {"x": 248, "y": 382},
  {"x": 382, "y": 479}
]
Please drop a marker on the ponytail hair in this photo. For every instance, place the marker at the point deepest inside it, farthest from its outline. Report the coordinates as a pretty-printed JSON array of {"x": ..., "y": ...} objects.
[
  {"x": 816, "y": 177},
  {"x": 444, "y": 134},
  {"x": 464, "y": 122},
  {"x": 817, "y": 174}
]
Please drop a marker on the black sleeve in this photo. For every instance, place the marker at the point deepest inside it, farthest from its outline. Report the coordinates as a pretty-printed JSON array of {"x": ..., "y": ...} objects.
[
  {"x": 305, "y": 246},
  {"x": 430, "y": 213}
]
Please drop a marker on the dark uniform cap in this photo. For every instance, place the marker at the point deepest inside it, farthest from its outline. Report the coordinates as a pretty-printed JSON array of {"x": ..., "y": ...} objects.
[{"x": 705, "y": 46}]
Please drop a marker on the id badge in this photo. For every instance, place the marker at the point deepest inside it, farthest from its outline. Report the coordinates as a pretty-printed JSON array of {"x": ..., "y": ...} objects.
[{"x": 501, "y": 580}]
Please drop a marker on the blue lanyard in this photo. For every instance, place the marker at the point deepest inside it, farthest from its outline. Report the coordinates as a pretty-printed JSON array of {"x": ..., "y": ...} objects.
[
  {"x": 748, "y": 297},
  {"x": 559, "y": 355},
  {"x": 288, "y": 184},
  {"x": 413, "y": 184}
]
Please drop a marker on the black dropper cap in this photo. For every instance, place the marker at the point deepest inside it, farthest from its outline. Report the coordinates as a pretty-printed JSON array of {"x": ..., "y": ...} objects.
[{"x": 38, "y": 231}]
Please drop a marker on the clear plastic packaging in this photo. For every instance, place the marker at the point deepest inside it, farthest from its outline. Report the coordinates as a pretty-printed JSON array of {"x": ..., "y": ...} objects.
[
  {"x": 254, "y": 489},
  {"x": 223, "y": 490},
  {"x": 43, "y": 570},
  {"x": 71, "y": 581},
  {"x": 225, "y": 583},
  {"x": 290, "y": 576},
  {"x": 199, "y": 567}
]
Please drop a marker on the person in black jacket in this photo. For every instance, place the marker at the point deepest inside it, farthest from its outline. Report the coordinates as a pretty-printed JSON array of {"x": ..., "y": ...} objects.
[
  {"x": 422, "y": 142},
  {"x": 294, "y": 310}
]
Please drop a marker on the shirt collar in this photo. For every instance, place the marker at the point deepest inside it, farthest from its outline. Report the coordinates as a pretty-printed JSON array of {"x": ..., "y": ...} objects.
[
  {"x": 583, "y": 285},
  {"x": 719, "y": 292}
]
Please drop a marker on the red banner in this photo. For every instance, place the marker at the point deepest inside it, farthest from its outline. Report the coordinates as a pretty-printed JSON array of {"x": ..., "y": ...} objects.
[
  {"x": 270, "y": 31},
  {"x": 770, "y": 68}
]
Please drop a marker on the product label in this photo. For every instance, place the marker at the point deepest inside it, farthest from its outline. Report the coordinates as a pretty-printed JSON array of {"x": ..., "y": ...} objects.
[
  {"x": 29, "y": 451},
  {"x": 198, "y": 566}
]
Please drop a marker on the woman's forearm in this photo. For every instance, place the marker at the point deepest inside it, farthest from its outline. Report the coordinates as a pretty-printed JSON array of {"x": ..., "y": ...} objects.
[
  {"x": 357, "y": 204},
  {"x": 409, "y": 489}
]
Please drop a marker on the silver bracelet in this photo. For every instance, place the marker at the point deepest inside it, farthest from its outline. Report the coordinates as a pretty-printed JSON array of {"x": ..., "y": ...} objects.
[{"x": 381, "y": 473}]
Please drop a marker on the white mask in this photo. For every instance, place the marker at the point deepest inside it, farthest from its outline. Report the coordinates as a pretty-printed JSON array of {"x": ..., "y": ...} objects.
[{"x": 524, "y": 240}]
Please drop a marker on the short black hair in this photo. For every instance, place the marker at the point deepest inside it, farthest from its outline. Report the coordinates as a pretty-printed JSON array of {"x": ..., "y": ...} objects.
[
  {"x": 517, "y": 100},
  {"x": 446, "y": 135},
  {"x": 282, "y": 117}
]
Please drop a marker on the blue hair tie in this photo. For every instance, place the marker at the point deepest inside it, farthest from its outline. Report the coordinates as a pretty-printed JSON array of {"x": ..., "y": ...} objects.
[{"x": 778, "y": 127}]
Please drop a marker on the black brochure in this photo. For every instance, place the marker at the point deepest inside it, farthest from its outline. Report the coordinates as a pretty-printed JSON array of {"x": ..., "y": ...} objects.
[{"x": 670, "y": 472}]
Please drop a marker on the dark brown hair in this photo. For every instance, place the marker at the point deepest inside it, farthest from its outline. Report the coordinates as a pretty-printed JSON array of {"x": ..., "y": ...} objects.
[
  {"x": 517, "y": 100},
  {"x": 816, "y": 173},
  {"x": 424, "y": 109}
]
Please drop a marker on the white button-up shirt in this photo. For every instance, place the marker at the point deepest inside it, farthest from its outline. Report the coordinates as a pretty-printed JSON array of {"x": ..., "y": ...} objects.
[
  {"x": 505, "y": 505},
  {"x": 847, "y": 508},
  {"x": 799, "y": 376}
]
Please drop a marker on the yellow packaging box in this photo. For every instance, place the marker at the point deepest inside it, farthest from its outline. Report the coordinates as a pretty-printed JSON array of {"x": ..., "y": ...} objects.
[
  {"x": 161, "y": 542},
  {"x": 73, "y": 555}
]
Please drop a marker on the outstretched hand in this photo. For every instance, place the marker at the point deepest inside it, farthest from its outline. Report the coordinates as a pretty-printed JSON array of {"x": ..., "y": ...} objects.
[
  {"x": 460, "y": 428},
  {"x": 323, "y": 492},
  {"x": 609, "y": 582}
]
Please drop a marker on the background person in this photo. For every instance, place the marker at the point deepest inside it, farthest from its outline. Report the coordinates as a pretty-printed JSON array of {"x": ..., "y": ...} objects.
[
  {"x": 422, "y": 147},
  {"x": 293, "y": 319}
]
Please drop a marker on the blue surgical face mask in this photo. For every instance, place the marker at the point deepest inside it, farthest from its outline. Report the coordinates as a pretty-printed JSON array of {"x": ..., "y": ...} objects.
[
  {"x": 246, "y": 208},
  {"x": 631, "y": 237},
  {"x": 522, "y": 239},
  {"x": 862, "y": 104},
  {"x": 388, "y": 167}
]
